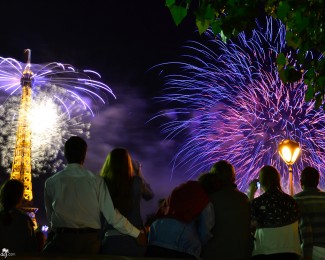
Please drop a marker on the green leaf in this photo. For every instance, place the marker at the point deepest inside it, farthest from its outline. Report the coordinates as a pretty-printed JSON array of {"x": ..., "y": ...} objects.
[
  {"x": 310, "y": 74},
  {"x": 281, "y": 59},
  {"x": 321, "y": 82},
  {"x": 210, "y": 13},
  {"x": 318, "y": 101},
  {"x": 283, "y": 76},
  {"x": 178, "y": 13},
  {"x": 309, "y": 95},
  {"x": 223, "y": 37},
  {"x": 202, "y": 25},
  {"x": 169, "y": 3},
  {"x": 293, "y": 40},
  {"x": 321, "y": 66},
  {"x": 283, "y": 10},
  {"x": 301, "y": 22},
  {"x": 215, "y": 27}
]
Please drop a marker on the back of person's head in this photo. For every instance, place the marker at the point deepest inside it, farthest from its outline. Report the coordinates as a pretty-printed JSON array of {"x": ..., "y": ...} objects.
[
  {"x": 210, "y": 182},
  {"x": 309, "y": 177},
  {"x": 75, "y": 150},
  {"x": 224, "y": 171},
  {"x": 11, "y": 194},
  {"x": 269, "y": 178},
  {"x": 117, "y": 172},
  {"x": 118, "y": 164}
]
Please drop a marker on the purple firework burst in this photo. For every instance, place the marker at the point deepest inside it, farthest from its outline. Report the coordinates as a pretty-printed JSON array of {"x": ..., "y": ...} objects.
[
  {"x": 82, "y": 86},
  {"x": 228, "y": 102}
]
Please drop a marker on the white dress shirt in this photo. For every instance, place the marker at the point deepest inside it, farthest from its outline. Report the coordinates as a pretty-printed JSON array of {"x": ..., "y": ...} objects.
[{"x": 74, "y": 198}]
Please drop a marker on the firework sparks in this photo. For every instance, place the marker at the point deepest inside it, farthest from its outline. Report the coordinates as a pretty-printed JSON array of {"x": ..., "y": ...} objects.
[
  {"x": 229, "y": 103},
  {"x": 80, "y": 85},
  {"x": 63, "y": 103}
]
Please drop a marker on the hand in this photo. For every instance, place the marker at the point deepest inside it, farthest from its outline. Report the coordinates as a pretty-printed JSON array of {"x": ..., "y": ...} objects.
[
  {"x": 136, "y": 168},
  {"x": 252, "y": 189},
  {"x": 142, "y": 238}
]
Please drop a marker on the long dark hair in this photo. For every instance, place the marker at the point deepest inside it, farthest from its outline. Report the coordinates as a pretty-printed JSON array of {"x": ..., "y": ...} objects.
[{"x": 117, "y": 172}]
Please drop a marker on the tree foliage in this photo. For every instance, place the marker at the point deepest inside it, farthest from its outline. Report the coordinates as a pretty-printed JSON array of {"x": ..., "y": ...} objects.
[{"x": 304, "y": 20}]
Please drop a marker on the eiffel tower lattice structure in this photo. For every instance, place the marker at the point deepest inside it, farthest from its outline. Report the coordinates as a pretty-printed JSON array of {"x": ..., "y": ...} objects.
[{"x": 21, "y": 166}]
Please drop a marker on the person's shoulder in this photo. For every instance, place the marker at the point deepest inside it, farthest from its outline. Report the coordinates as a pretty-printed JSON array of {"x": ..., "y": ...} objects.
[
  {"x": 53, "y": 177},
  {"x": 230, "y": 194},
  {"x": 299, "y": 195},
  {"x": 261, "y": 198},
  {"x": 309, "y": 193},
  {"x": 289, "y": 199}
]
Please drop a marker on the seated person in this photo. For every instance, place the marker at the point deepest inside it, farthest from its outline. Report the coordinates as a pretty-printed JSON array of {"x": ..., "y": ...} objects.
[
  {"x": 183, "y": 223},
  {"x": 16, "y": 228}
]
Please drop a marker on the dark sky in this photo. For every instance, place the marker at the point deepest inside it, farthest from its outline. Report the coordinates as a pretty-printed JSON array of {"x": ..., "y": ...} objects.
[{"x": 121, "y": 40}]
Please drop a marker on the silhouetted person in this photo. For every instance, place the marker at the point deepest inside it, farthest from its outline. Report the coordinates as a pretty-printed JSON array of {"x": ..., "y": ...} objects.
[
  {"x": 74, "y": 200},
  {"x": 183, "y": 223},
  {"x": 127, "y": 188},
  {"x": 16, "y": 228},
  {"x": 275, "y": 218},
  {"x": 231, "y": 233},
  {"x": 311, "y": 203}
]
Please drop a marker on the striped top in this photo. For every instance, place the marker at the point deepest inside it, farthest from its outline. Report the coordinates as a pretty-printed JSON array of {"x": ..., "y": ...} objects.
[{"x": 311, "y": 202}]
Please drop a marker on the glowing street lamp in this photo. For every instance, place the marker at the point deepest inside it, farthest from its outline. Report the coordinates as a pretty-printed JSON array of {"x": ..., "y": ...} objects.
[{"x": 289, "y": 151}]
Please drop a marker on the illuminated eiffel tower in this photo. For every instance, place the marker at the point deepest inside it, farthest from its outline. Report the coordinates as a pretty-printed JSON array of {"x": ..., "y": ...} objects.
[{"x": 21, "y": 166}]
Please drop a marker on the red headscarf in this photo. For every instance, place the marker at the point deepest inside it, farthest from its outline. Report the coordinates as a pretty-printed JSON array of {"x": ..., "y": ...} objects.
[{"x": 185, "y": 202}]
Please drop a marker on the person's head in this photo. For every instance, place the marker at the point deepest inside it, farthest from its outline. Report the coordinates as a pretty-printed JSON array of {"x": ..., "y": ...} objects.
[
  {"x": 309, "y": 178},
  {"x": 75, "y": 149},
  {"x": 210, "y": 182},
  {"x": 11, "y": 194},
  {"x": 224, "y": 171},
  {"x": 118, "y": 162},
  {"x": 269, "y": 178}
]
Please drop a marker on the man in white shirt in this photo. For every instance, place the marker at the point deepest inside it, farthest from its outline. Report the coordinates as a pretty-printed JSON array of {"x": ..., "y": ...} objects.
[{"x": 74, "y": 201}]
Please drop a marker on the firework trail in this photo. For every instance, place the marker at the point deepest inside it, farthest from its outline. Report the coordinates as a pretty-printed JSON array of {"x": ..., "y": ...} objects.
[
  {"x": 227, "y": 102},
  {"x": 63, "y": 103}
]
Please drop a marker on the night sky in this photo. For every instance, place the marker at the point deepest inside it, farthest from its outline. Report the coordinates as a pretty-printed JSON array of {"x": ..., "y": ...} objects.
[{"x": 121, "y": 40}]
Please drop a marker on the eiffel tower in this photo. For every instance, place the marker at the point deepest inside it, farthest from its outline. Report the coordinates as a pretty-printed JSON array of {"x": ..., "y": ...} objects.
[{"x": 21, "y": 166}]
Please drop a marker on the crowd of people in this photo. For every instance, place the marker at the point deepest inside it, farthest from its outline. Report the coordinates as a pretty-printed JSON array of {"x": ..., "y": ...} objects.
[{"x": 207, "y": 218}]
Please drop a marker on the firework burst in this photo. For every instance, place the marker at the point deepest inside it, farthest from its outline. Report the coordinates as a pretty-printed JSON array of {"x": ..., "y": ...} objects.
[
  {"x": 62, "y": 105},
  {"x": 228, "y": 102}
]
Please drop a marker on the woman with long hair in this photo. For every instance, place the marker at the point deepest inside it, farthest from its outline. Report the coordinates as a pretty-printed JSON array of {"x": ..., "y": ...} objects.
[{"x": 127, "y": 187}]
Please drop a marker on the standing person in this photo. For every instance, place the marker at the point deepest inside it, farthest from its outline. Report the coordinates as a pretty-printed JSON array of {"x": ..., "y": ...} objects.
[
  {"x": 231, "y": 234},
  {"x": 183, "y": 223},
  {"x": 275, "y": 218},
  {"x": 311, "y": 203},
  {"x": 74, "y": 201},
  {"x": 16, "y": 228},
  {"x": 127, "y": 187}
]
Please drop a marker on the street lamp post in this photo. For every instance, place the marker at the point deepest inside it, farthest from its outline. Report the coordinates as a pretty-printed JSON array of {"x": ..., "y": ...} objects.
[{"x": 289, "y": 151}]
